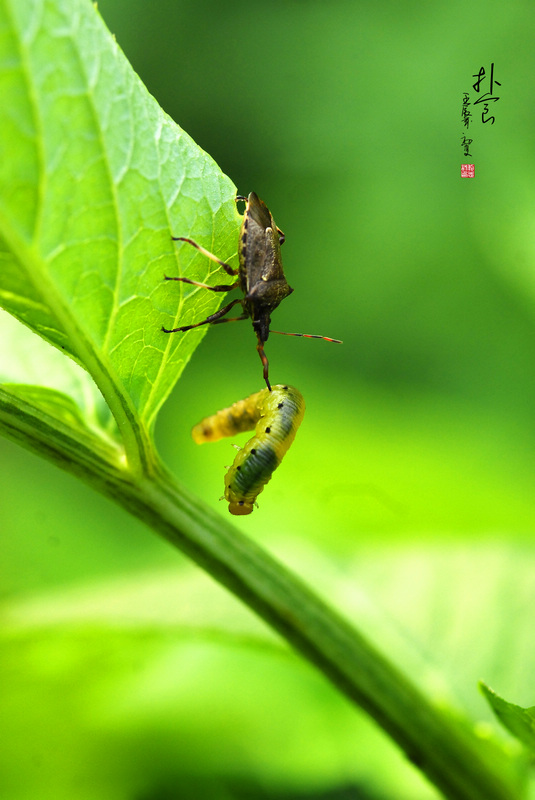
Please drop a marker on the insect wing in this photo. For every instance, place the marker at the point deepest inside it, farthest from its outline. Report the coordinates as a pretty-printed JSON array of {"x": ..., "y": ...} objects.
[{"x": 260, "y": 257}]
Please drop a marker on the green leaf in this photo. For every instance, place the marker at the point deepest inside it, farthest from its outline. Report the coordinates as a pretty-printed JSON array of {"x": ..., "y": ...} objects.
[
  {"x": 518, "y": 721},
  {"x": 95, "y": 179},
  {"x": 40, "y": 370}
]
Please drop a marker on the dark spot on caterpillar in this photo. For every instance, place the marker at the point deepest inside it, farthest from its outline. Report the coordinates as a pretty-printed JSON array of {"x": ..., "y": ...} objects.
[
  {"x": 284, "y": 388},
  {"x": 281, "y": 405},
  {"x": 268, "y": 430},
  {"x": 253, "y": 451},
  {"x": 238, "y": 467}
]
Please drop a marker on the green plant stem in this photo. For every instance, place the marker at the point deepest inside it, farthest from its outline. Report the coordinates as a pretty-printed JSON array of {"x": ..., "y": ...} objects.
[{"x": 460, "y": 765}]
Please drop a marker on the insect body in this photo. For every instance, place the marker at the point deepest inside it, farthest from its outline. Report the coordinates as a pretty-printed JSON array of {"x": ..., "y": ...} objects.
[
  {"x": 276, "y": 415},
  {"x": 260, "y": 276}
]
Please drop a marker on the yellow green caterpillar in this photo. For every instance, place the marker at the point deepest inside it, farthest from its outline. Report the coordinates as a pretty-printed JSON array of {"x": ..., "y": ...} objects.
[{"x": 275, "y": 415}]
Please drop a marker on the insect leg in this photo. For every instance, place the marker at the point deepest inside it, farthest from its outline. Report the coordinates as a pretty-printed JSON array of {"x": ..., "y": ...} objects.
[
  {"x": 231, "y": 319},
  {"x": 220, "y": 288},
  {"x": 228, "y": 269},
  {"x": 213, "y": 318}
]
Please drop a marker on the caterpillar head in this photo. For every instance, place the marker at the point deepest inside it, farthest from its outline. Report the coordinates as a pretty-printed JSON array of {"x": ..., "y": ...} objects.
[{"x": 240, "y": 507}]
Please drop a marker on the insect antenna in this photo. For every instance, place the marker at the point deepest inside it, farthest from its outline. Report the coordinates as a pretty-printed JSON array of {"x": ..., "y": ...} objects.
[{"x": 309, "y": 336}]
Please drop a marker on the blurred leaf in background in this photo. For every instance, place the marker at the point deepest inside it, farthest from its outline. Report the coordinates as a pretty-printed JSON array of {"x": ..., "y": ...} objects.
[{"x": 408, "y": 500}]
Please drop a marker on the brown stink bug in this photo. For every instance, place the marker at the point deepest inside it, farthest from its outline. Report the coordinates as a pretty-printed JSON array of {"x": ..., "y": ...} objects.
[{"x": 260, "y": 277}]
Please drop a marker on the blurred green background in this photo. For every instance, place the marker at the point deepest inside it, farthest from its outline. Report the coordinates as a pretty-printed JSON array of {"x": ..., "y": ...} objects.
[{"x": 407, "y": 498}]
